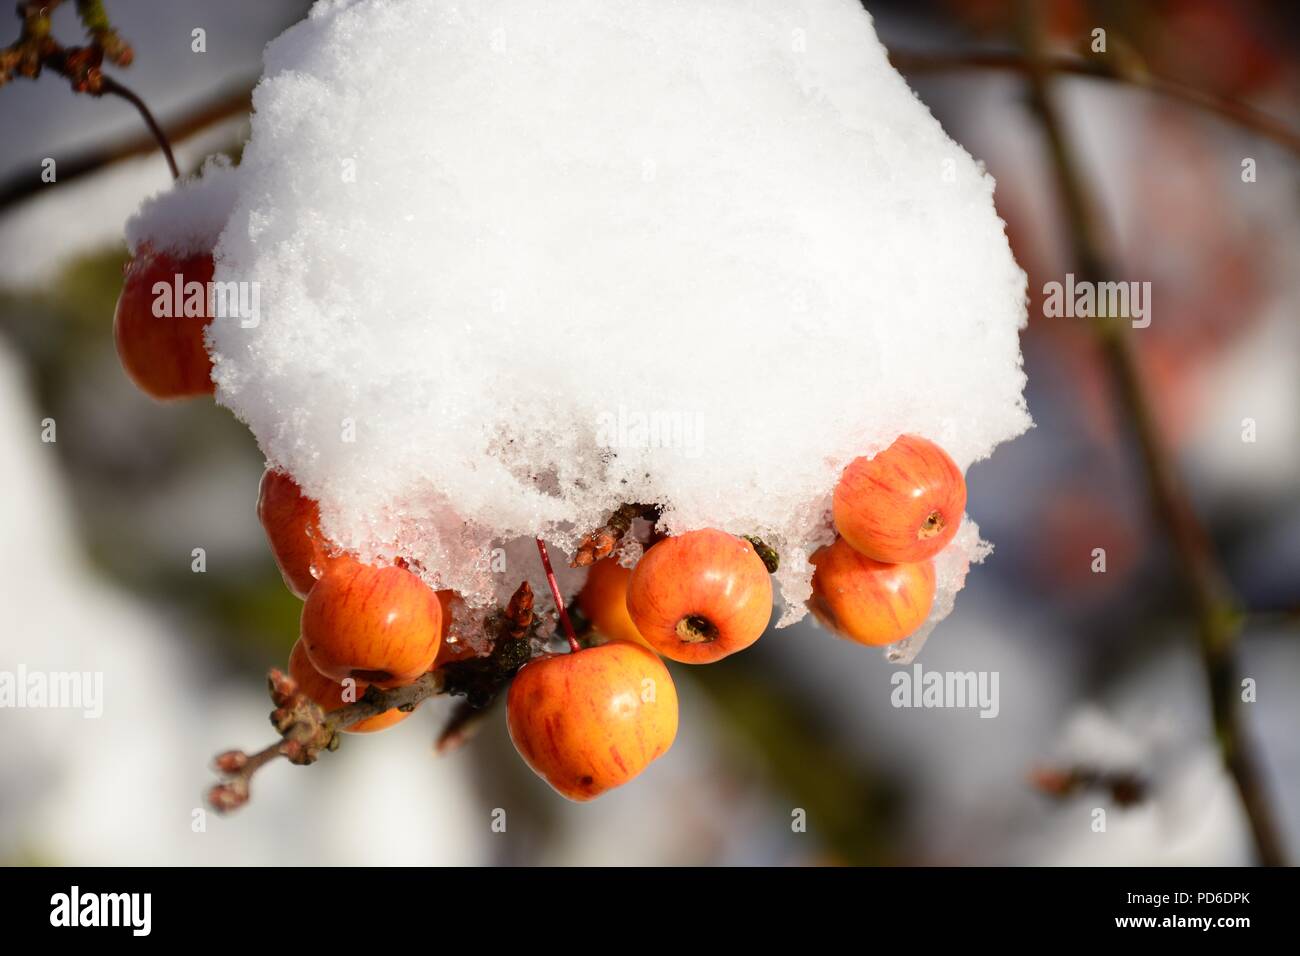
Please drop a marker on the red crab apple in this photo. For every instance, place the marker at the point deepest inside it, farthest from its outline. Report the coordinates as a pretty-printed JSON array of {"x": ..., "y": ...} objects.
[
  {"x": 292, "y": 524},
  {"x": 330, "y": 694},
  {"x": 164, "y": 353},
  {"x": 903, "y": 505},
  {"x": 593, "y": 719},
  {"x": 700, "y": 596},
  {"x": 449, "y": 652},
  {"x": 379, "y": 625},
  {"x": 866, "y": 600},
  {"x": 603, "y": 599}
]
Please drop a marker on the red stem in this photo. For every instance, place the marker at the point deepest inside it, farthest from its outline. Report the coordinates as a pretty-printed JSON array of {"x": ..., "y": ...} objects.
[{"x": 559, "y": 601}]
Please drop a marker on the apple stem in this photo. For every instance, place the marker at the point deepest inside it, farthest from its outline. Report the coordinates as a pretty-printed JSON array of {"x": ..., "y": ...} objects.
[{"x": 559, "y": 601}]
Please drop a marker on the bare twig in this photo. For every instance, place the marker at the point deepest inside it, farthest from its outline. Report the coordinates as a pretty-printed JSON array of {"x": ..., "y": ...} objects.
[
  {"x": 1216, "y": 608},
  {"x": 306, "y": 730},
  {"x": 1233, "y": 111},
  {"x": 36, "y": 50}
]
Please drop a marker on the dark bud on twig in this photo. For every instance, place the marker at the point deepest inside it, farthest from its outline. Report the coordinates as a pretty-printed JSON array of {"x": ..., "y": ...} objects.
[
  {"x": 232, "y": 761},
  {"x": 299, "y": 720},
  {"x": 519, "y": 611},
  {"x": 602, "y": 542},
  {"x": 593, "y": 547},
  {"x": 298, "y": 753},
  {"x": 771, "y": 560},
  {"x": 282, "y": 687},
  {"x": 231, "y": 795},
  {"x": 81, "y": 65}
]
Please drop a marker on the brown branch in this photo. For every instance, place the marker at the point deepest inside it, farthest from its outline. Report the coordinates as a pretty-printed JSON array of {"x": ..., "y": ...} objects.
[
  {"x": 306, "y": 730},
  {"x": 1247, "y": 117},
  {"x": 1216, "y": 608},
  {"x": 17, "y": 188}
]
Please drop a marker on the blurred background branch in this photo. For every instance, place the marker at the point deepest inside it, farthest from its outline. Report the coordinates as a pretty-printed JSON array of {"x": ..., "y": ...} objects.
[
  {"x": 236, "y": 101},
  {"x": 1218, "y": 612},
  {"x": 1240, "y": 114}
]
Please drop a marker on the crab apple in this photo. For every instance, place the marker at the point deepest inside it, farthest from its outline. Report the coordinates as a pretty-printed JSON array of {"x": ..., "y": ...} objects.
[
  {"x": 380, "y": 625},
  {"x": 603, "y": 599},
  {"x": 903, "y": 505},
  {"x": 329, "y": 693},
  {"x": 591, "y": 720},
  {"x": 869, "y": 601},
  {"x": 449, "y": 652},
  {"x": 700, "y": 596},
  {"x": 164, "y": 353},
  {"x": 292, "y": 524}
]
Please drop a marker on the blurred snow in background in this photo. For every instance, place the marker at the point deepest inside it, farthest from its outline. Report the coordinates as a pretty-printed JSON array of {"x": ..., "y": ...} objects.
[{"x": 122, "y": 788}]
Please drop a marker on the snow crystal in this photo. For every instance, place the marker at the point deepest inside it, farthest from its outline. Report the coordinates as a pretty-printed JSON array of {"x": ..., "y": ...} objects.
[
  {"x": 187, "y": 220},
  {"x": 521, "y": 263}
]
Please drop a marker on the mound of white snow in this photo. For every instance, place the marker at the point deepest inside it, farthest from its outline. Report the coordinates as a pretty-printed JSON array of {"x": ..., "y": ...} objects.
[{"x": 519, "y": 263}]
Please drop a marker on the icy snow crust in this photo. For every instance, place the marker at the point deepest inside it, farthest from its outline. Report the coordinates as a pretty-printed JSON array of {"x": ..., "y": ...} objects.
[{"x": 520, "y": 263}]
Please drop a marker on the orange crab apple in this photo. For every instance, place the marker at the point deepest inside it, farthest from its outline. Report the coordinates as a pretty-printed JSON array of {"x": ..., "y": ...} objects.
[
  {"x": 603, "y": 599},
  {"x": 903, "y": 505},
  {"x": 159, "y": 335},
  {"x": 869, "y": 601},
  {"x": 591, "y": 720},
  {"x": 382, "y": 625},
  {"x": 292, "y": 524},
  {"x": 330, "y": 694},
  {"x": 700, "y": 596},
  {"x": 449, "y": 652}
]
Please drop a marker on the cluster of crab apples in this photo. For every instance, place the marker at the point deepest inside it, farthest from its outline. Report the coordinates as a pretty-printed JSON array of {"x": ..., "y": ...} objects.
[{"x": 593, "y": 718}]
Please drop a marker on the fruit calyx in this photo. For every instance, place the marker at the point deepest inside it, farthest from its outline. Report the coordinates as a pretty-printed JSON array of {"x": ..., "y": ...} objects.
[
  {"x": 694, "y": 629},
  {"x": 934, "y": 524}
]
